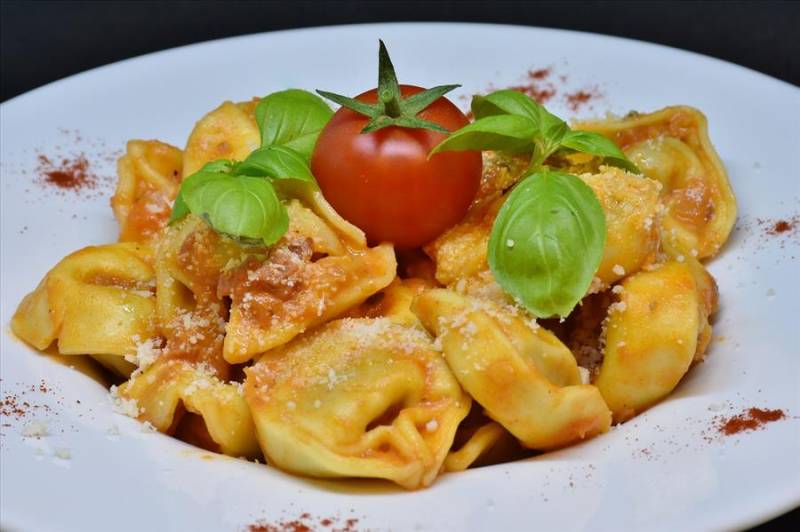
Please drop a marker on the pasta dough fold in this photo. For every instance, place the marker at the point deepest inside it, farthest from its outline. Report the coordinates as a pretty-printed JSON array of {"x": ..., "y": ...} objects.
[
  {"x": 520, "y": 373},
  {"x": 654, "y": 333},
  {"x": 96, "y": 301},
  {"x": 150, "y": 174},
  {"x": 357, "y": 398},
  {"x": 159, "y": 392},
  {"x": 673, "y": 147}
]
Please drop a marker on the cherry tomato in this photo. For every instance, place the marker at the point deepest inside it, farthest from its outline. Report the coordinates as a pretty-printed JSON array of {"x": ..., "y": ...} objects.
[{"x": 384, "y": 182}]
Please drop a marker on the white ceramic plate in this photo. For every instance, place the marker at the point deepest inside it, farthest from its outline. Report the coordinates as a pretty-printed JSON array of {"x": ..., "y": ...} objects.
[{"x": 656, "y": 472}]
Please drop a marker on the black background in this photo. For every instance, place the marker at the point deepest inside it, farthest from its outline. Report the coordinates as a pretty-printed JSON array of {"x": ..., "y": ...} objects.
[{"x": 44, "y": 41}]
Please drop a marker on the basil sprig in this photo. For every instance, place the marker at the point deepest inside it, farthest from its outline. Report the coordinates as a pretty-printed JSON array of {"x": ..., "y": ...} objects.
[
  {"x": 549, "y": 237},
  {"x": 242, "y": 199},
  {"x": 548, "y": 133}
]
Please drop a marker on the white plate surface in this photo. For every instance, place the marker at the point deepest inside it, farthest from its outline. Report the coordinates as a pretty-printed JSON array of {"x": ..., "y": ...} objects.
[{"x": 656, "y": 472}]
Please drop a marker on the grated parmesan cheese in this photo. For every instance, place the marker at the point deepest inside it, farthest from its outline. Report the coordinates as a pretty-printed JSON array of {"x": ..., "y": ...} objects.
[
  {"x": 35, "y": 429},
  {"x": 619, "y": 306},
  {"x": 121, "y": 405},
  {"x": 63, "y": 453},
  {"x": 148, "y": 427}
]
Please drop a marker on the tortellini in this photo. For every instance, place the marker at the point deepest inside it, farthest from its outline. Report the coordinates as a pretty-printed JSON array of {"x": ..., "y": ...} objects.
[
  {"x": 393, "y": 302},
  {"x": 672, "y": 146},
  {"x": 653, "y": 333},
  {"x": 520, "y": 373},
  {"x": 169, "y": 388},
  {"x": 191, "y": 312},
  {"x": 480, "y": 442},
  {"x": 632, "y": 211},
  {"x": 96, "y": 301},
  {"x": 275, "y": 300},
  {"x": 149, "y": 177},
  {"x": 357, "y": 398},
  {"x": 228, "y": 132}
]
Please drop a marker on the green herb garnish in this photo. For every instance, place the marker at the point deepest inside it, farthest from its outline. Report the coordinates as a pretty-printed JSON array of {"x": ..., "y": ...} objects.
[
  {"x": 242, "y": 199},
  {"x": 547, "y": 242},
  {"x": 548, "y": 238},
  {"x": 292, "y": 118},
  {"x": 533, "y": 129}
]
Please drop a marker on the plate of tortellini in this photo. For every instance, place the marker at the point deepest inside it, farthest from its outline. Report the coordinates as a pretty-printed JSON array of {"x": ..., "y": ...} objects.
[{"x": 406, "y": 308}]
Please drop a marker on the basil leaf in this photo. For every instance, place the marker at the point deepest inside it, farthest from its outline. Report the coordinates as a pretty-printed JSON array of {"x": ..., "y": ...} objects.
[
  {"x": 503, "y": 132},
  {"x": 292, "y": 117},
  {"x": 506, "y": 102},
  {"x": 222, "y": 166},
  {"x": 243, "y": 207},
  {"x": 547, "y": 242},
  {"x": 179, "y": 209},
  {"x": 276, "y": 162},
  {"x": 513, "y": 102},
  {"x": 596, "y": 144}
]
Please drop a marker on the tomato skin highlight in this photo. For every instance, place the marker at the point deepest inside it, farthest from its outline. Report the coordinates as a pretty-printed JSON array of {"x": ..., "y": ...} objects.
[{"x": 384, "y": 183}]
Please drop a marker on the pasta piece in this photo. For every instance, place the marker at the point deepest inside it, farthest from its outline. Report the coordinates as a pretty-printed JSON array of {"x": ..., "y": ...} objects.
[
  {"x": 96, "y": 301},
  {"x": 652, "y": 335},
  {"x": 303, "y": 223},
  {"x": 121, "y": 366},
  {"x": 480, "y": 442},
  {"x": 357, "y": 398},
  {"x": 520, "y": 373},
  {"x": 149, "y": 177},
  {"x": 393, "y": 302},
  {"x": 460, "y": 253},
  {"x": 160, "y": 393},
  {"x": 228, "y": 132},
  {"x": 500, "y": 172},
  {"x": 350, "y": 235},
  {"x": 632, "y": 210},
  {"x": 191, "y": 313},
  {"x": 672, "y": 146},
  {"x": 276, "y": 299}
]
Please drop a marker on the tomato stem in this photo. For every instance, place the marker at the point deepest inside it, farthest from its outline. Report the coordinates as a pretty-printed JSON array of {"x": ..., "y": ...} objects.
[
  {"x": 391, "y": 104},
  {"x": 392, "y": 109}
]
